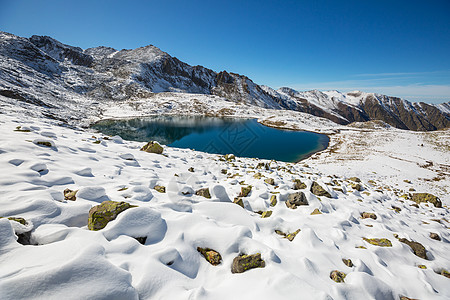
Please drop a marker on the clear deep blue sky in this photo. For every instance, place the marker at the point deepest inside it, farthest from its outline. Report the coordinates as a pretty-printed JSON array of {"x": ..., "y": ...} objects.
[{"x": 399, "y": 48}]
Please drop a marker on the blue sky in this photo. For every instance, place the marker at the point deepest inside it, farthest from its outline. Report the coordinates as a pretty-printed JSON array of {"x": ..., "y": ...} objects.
[{"x": 399, "y": 48}]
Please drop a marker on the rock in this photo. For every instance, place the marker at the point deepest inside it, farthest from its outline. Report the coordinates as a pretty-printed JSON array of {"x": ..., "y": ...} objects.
[
  {"x": 191, "y": 169},
  {"x": 212, "y": 256},
  {"x": 204, "y": 193},
  {"x": 296, "y": 199},
  {"x": 229, "y": 157},
  {"x": 224, "y": 171},
  {"x": 416, "y": 247},
  {"x": 239, "y": 201},
  {"x": 347, "y": 262},
  {"x": 426, "y": 197},
  {"x": 19, "y": 220},
  {"x": 355, "y": 179},
  {"x": 316, "y": 212},
  {"x": 337, "y": 276},
  {"x": 245, "y": 190},
  {"x": 406, "y": 298},
  {"x": 258, "y": 176},
  {"x": 152, "y": 147},
  {"x": 160, "y": 188},
  {"x": 445, "y": 273},
  {"x": 270, "y": 181},
  {"x": 396, "y": 208},
  {"x": 435, "y": 236},
  {"x": 358, "y": 187},
  {"x": 70, "y": 195},
  {"x": 299, "y": 185},
  {"x": 141, "y": 239},
  {"x": 266, "y": 214},
  {"x": 291, "y": 236},
  {"x": 23, "y": 237},
  {"x": 245, "y": 262},
  {"x": 379, "y": 242},
  {"x": 422, "y": 267},
  {"x": 318, "y": 190},
  {"x": 273, "y": 200},
  {"x": 100, "y": 215},
  {"x": 366, "y": 215}
]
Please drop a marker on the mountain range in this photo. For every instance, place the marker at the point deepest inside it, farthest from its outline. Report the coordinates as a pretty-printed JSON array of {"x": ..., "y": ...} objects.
[{"x": 45, "y": 72}]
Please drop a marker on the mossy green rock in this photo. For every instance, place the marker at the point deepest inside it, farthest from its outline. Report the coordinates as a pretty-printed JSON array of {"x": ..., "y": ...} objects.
[
  {"x": 416, "y": 247},
  {"x": 160, "y": 188},
  {"x": 318, "y": 190},
  {"x": 245, "y": 191},
  {"x": 245, "y": 262},
  {"x": 299, "y": 185},
  {"x": 153, "y": 147},
  {"x": 100, "y": 215},
  {"x": 273, "y": 200},
  {"x": 426, "y": 197},
  {"x": 266, "y": 214},
  {"x": 204, "y": 193},
  {"x": 212, "y": 256},
  {"x": 379, "y": 242},
  {"x": 337, "y": 276},
  {"x": 291, "y": 236}
]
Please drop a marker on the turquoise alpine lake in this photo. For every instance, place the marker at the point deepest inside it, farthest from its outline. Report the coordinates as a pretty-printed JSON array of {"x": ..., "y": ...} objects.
[{"x": 241, "y": 137}]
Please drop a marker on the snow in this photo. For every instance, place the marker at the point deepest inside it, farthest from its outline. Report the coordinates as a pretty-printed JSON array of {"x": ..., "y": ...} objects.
[{"x": 69, "y": 261}]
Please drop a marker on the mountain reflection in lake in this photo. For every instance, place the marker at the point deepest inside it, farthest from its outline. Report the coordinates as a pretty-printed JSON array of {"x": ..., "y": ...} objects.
[{"x": 242, "y": 137}]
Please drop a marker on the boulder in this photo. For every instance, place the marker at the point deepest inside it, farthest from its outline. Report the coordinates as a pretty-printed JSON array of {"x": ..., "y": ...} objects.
[
  {"x": 416, "y": 247},
  {"x": 318, "y": 190},
  {"x": 270, "y": 181},
  {"x": 371, "y": 215},
  {"x": 426, "y": 197},
  {"x": 204, "y": 193},
  {"x": 316, "y": 211},
  {"x": 239, "y": 201},
  {"x": 299, "y": 185},
  {"x": 100, "y": 215},
  {"x": 435, "y": 236},
  {"x": 70, "y": 194},
  {"x": 212, "y": 256},
  {"x": 296, "y": 199},
  {"x": 245, "y": 191},
  {"x": 337, "y": 276},
  {"x": 152, "y": 147},
  {"x": 245, "y": 262},
  {"x": 160, "y": 188}
]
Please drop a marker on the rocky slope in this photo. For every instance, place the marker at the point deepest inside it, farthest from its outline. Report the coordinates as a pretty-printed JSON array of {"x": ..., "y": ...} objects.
[{"x": 44, "y": 72}]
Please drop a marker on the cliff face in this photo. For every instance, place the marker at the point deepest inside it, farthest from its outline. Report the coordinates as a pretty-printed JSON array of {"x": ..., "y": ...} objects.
[{"x": 46, "y": 72}]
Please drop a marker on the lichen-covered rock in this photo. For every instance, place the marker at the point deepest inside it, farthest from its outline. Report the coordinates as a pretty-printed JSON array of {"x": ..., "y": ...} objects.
[
  {"x": 224, "y": 171},
  {"x": 19, "y": 220},
  {"x": 422, "y": 267},
  {"x": 358, "y": 187},
  {"x": 416, "y": 247},
  {"x": 318, "y": 190},
  {"x": 355, "y": 179},
  {"x": 299, "y": 185},
  {"x": 100, "y": 215},
  {"x": 270, "y": 181},
  {"x": 296, "y": 199},
  {"x": 273, "y": 200},
  {"x": 70, "y": 194},
  {"x": 379, "y": 242},
  {"x": 406, "y": 298},
  {"x": 204, "y": 193},
  {"x": 337, "y": 276},
  {"x": 396, "y": 208},
  {"x": 245, "y": 191},
  {"x": 316, "y": 212},
  {"x": 160, "y": 188},
  {"x": 23, "y": 232},
  {"x": 347, "y": 262},
  {"x": 266, "y": 214},
  {"x": 426, "y": 197},
  {"x": 212, "y": 256},
  {"x": 229, "y": 157},
  {"x": 435, "y": 236},
  {"x": 239, "y": 201},
  {"x": 445, "y": 273},
  {"x": 371, "y": 215},
  {"x": 258, "y": 176},
  {"x": 245, "y": 262},
  {"x": 152, "y": 147},
  {"x": 291, "y": 236}
]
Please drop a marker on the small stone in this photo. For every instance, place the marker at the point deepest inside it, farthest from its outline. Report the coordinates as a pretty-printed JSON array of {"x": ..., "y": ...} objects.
[
  {"x": 245, "y": 191},
  {"x": 417, "y": 248},
  {"x": 445, "y": 273},
  {"x": 422, "y": 267},
  {"x": 379, "y": 242},
  {"x": 318, "y": 190},
  {"x": 270, "y": 181},
  {"x": 19, "y": 220},
  {"x": 347, "y": 262},
  {"x": 396, "y": 208},
  {"x": 239, "y": 201},
  {"x": 204, "y": 193},
  {"x": 412, "y": 189},
  {"x": 296, "y": 199},
  {"x": 291, "y": 236},
  {"x": 266, "y": 214},
  {"x": 70, "y": 195},
  {"x": 19, "y": 129},
  {"x": 44, "y": 143},
  {"x": 212, "y": 256},
  {"x": 371, "y": 215},
  {"x": 407, "y": 181},
  {"x": 358, "y": 187},
  {"x": 224, "y": 171},
  {"x": 258, "y": 176},
  {"x": 355, "y": 179},
  {"x": 160, "y": 188},
  {"x": 360, "y": 247},
  {"x": 337, "y": 276},
  {"x": 273, "y": 200},
  {"x": 435, "y": 236},
  {"x": 122, "y": 189},
  {"x": 406, "y": 298},
  {"x": 152, "y": 147},
  {"x": 191, "y": 169},
  {"x": 316, "y": 212},
  {"x": 229, "y": 157},
  {"x": 245, "y": 262},
  {"x": 299, "y": 185},
  {"x": 100, "y": 215},
  {"x": 426, "y": 197}
]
